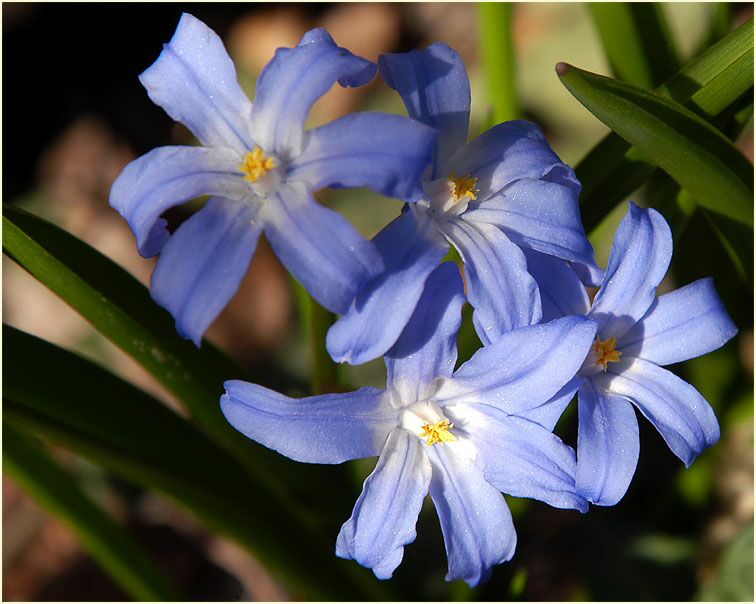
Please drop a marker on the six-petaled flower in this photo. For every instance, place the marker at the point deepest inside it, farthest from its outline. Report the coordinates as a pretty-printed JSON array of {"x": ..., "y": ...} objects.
[
  {"x": 260, "y": 167},
  {"x": 459, "y": 435},
  {"x": 637, "y": 335},
  {"x": 497, "y": 199}
]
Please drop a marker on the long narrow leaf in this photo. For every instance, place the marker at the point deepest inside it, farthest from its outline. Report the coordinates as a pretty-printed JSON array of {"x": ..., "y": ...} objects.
[
  {"x": 678, "y": 206},
  {"x": 636, "y": 40},
  {"x": 709, "y": 84},
  {"x": 498, "y": 58},
  {"x": 120, "y": 308},
  {"x": 737, "y": 241},
  {"x": 55, "y": 490},
  {"x": 680, "y": 142},
  {"x": 714, "y": 79},
  {"x": 719, "y": 24},
  {"x": 95, "y": 414}
]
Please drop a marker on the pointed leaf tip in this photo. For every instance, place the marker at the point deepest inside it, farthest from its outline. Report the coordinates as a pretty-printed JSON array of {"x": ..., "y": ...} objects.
[{"x": 562, "y": 68}]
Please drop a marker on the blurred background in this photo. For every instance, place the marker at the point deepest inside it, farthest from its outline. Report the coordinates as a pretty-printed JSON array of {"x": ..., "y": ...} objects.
[{"x": 74, "y": 114}]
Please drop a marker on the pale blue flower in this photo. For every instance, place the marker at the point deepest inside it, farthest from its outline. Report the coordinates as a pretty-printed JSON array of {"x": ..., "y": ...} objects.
[
  {"x": 493, "y": 198},
  {"x": 637, "y": 335},
  {"x": 458, "y": 435},
  {"x": 260, "y": 168}
]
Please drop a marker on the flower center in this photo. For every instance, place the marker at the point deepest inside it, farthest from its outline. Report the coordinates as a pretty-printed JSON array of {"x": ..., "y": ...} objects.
[
  {"x": 438, "y": 432},
  {"x": 463, "y": 186},
  {"x": 448, "y": 197},
  {"x": 427, "y": 421},
  {"x": 256, "y": 164},
  {"x": 605, "y": 352}
]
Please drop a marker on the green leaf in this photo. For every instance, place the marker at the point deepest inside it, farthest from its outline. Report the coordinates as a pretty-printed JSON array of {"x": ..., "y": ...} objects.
[
  {"x": 717, "y": 77},
  {"x": 610, "y": 172},
  {"x": 695, "y": 154},
  {"x": 636, "y": 40},
  {"x": 737, "y": 240},
  {"x": 120, "y": 308},
  {"x": 86, "y": 409},
  {"x": 498, "y": 59},
  {"x": 719, "y": 23},
  {"x": 678, "y": 207},
  {"x": 709, "y": 84},
  {"x": 55, "y": 490}
]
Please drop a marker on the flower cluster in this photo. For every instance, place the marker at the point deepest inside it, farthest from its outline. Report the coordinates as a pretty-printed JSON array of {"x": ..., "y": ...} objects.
[{"x": 509, "y": 206}]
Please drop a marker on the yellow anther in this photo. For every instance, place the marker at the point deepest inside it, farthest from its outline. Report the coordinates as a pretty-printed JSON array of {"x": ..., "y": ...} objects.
[
  {"x": 605, "y": 352},
  {"x": 255, "y": 164},
  {"x": 438, "y": 432},
  {"x": 463, "y": 186}
]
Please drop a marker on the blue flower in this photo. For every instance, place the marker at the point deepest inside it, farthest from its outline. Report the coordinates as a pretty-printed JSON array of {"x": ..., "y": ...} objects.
[
  {"x": 637, "y": 335},
  {"x": 260, "y": 167},
  {"x": 493, "y": 198},
  {"x": 457, "y": 435}
]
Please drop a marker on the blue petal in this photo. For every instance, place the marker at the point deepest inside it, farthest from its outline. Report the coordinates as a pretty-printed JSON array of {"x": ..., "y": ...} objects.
[
  {"x": 194, "y": 81},
  {"x": 434, "y": 87},
  {"x": 640, "y": 255},
  {"x": 524, "y": 368},
  {"x": 427, "y": 348},
  {"x": 475, "y": 520},
  {"x": 168, "y": 176},
  {"x": 680, "y": 325},
  {"x": 676, "y": 409},
  {"x": 411, "y": 249},
  {"x": 503, "y": 294},
  {"x": 386, "y": 153},
  {"x": 608, "y": 445},
  {"x": 331, "y": 428},
  {"x": 319, "y": 247},
  {"x": 542, "y": 215},
  {"x": 548, "y": 414},
  {"x": 203, "y": 264},
  {"x": 384, "y": 517},
  {"x": 562, "y": 292},
  {"x": 519, "y": 457},
  {"x": 590, "y": 274},
  {"x": 293, "y": 80},
  {"x": 504, "y": 154}
]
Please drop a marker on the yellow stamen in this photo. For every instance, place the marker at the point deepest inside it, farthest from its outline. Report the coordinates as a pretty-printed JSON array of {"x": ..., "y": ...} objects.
[
  {"x": 255, "y": 164},
  {"x": 463, "y": 186},
  {"x": 438, "y": 433},
  {"x": 605, "y": 352}
]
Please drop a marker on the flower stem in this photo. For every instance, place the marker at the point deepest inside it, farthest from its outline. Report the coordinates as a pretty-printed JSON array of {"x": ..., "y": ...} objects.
[
  {"x": 324, "y": 372},
  {"x": 315, "y": 322},
  {"x": 498, "y": 57}
]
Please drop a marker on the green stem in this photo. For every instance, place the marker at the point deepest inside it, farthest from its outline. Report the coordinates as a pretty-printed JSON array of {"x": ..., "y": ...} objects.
[
  {"x": 498, "y": 57},
  {"x": 315, "y": 322},
  {"x": 325, "y": 375}
]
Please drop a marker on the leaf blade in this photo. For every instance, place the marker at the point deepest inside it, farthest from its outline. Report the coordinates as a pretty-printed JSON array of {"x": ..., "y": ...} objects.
[
  {"x": 54, "y": 489},
  {"x": 636, "y": 40},
  {"x": 612, "y": 170},
  {"x": 147, "y": 443},
  {"x": 700, "y": 83},
  {"x": 120, "y": 308},
  {"x": 695, "y": 154}
]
